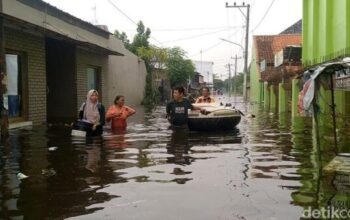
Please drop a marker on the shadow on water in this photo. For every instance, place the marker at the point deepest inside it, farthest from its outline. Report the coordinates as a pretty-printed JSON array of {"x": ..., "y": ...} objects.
[{"x": 267, "y": 168}]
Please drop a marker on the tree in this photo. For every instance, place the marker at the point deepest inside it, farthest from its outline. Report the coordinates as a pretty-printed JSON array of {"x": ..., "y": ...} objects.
[
  {"x": 154, "y": 58},
  {"x": 141, "y": 38},
  {"x": 123, "y": 37},
  {"x": 140, "y": 47},
  {"x": 179, "y": 69},
  {"x": 218, "y": 84}
]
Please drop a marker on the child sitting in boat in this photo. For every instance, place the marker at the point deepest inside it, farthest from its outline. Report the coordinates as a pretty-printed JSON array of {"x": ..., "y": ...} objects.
[{"x": 205, "y": 98}]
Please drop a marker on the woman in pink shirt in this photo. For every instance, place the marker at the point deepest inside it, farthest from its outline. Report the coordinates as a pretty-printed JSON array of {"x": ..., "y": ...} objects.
[{"x": 118, "y": 113}]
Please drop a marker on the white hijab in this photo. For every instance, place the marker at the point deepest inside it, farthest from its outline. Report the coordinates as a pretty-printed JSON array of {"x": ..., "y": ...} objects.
[{"x": 91, "y": 112}]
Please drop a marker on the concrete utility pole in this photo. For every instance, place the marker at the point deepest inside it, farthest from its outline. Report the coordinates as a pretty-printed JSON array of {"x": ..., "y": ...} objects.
[
  {"x": 234, "y": 89},
  {"x": 3, "y": 112},
  {"x": 229, "y": 79},
  {"x": 246, "y": 16}
]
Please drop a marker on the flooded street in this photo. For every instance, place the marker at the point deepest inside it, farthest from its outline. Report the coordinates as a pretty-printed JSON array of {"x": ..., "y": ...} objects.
[{"x": 268, "y": 168}]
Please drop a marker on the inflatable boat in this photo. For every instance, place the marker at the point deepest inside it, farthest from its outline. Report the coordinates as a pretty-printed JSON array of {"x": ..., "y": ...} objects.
[{"x": 218, "y": 118}]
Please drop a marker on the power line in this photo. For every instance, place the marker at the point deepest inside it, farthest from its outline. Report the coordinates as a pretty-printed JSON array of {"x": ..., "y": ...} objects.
[
  {"x": 193, "y": 29},
  {"x": 263, "y": 17},
  {"x": 194, "y": 36},
  {"x": 123, "y": 13},
  {"x": 130, "y": 19},
  {"x": 213, "y": 46}
]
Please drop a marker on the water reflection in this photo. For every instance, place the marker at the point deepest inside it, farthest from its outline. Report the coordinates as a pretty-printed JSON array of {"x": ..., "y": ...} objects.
[{"x": 269, "y": 167}]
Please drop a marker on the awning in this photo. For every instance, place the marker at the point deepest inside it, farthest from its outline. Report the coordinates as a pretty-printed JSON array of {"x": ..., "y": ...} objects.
[{"x": 308, "y": 92}]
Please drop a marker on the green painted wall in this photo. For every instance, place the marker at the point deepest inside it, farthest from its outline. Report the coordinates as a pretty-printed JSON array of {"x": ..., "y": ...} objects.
[
  {"x": 295, "y": 94},
  {"x": 255, "y": 85},
  {"x": 282, "y": 99},
  {"x": 273, "y": 98},
  {"x": 326, "y": 30},
  {"x": 266, "y": 95}
]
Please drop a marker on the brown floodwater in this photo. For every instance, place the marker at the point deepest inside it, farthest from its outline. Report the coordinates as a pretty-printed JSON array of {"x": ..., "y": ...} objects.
[{"x": 268, "y": 168}]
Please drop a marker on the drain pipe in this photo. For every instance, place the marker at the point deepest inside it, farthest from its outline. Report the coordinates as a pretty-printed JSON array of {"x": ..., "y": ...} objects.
[{"x": 333, "y": 115}]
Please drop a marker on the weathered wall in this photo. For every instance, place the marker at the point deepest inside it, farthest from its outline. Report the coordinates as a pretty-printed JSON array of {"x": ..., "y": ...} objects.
[
  {"x": 127, "y": 76},
  {"x": 85, "y": 59},
  {"x": 32, "y": 50}
]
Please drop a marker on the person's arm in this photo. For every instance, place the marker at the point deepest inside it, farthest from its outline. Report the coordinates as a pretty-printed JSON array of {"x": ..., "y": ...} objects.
[
  {"x": 102, "y": 115},
  {"x": 81, "y": 111},
  {"x": 212, "y": 100},
  {"x": 202, "y": 110},
  {"x": 198, "y": 100},
  {"x": 168, "y": 108},
  {"x": 131, "y": 111},
  {"x": 110, "y": 113}
]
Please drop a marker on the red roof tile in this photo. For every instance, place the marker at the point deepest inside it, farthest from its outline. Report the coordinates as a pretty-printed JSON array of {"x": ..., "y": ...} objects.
[{"x": 267, "y": 45}]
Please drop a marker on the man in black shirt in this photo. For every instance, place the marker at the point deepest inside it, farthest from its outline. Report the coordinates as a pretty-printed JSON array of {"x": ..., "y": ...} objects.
[{"x": 177, "y": 109}]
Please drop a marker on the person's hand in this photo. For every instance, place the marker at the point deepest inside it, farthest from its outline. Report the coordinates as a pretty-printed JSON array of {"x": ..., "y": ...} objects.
[
  {"x": 204, "y": 112},
  {"x": 94, "y": 127}
]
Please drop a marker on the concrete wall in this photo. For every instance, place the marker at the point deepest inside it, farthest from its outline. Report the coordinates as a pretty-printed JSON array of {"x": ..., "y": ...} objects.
[
  {"x": 127, "y": 76},
  {"x": 255, "y": 84},
  {"x": 85, "y": 59},
  {"x": 32, "y": 49}
]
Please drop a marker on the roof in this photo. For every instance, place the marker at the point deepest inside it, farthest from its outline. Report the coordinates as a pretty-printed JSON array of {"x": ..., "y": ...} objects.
[
  {"x": 32, "y": 28},
  {"x": 39, "y": 17},
  {"x": 267, "y": 45},
  {"x": 296, "y": 28},
  {"x": 62, "y": 15}
]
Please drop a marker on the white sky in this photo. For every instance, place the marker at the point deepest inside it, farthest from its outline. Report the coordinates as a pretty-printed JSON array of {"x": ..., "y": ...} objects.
[{"x": 193, "y": 25}]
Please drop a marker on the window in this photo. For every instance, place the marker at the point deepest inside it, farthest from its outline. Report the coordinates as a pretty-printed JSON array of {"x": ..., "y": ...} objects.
[
  {"x": 92, "y": 78},
  {"x": 13, "y": 98}
]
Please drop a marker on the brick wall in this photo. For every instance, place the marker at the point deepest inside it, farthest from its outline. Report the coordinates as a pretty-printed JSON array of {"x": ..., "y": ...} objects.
[
  {"x": 33, "y": 49},
  {"x": 87, "y": 59}
]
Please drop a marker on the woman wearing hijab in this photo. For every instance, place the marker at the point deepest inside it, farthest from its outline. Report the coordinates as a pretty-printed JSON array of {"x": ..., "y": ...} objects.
[
  {"x": 93, "y": 113},
  {"x": 118, "y": 113}
]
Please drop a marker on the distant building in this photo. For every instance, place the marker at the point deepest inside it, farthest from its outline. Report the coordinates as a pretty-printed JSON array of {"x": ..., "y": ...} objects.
[
  {"x": 196, "y": 83},
  {"x": 205, "y": 68}
]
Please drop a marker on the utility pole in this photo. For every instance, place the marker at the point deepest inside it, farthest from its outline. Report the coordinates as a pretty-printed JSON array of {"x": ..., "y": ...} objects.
[
  {"x": 229, "y": 79},
  {"x": 235, "y": 90},
  {"x": 246, "y": 16},
  {"x": 4, "y": 124}
]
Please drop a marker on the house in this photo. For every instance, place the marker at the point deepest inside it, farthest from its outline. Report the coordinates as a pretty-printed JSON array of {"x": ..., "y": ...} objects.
[
  {"x": 276, "y": 59},
  {"x": 54, "y": 58}
]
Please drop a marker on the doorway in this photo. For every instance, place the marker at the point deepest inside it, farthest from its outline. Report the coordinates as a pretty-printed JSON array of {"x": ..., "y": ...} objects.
[{"x": 61, "y": 81}]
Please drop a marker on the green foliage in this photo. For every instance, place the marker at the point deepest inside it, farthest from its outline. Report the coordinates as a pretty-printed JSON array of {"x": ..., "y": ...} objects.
[
  {"x": 123, "y": 37},
  {"x": 236, "y": 81},
  {"x": 179, "y": 69},
  {"x": 141, "y": 38},
  {"x": 218, "y": 84},
  {"x": 172, "y": 60}
]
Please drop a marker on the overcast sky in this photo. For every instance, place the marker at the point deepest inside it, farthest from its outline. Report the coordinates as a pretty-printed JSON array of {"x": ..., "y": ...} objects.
[{"x": 193, "y": 25}]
